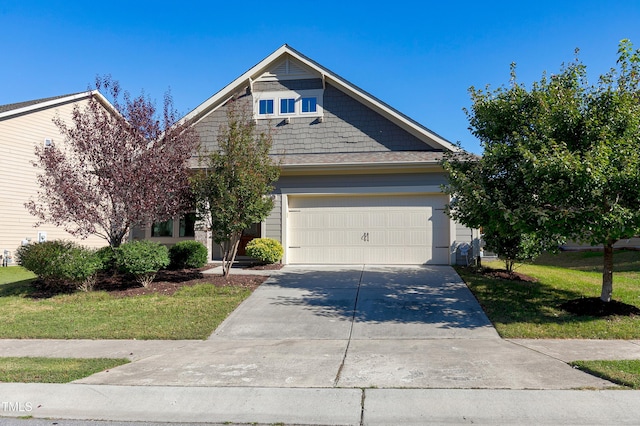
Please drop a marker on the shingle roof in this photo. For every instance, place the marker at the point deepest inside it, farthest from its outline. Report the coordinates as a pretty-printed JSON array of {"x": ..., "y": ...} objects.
[
  {"x": 18, "y": 105},
  {"x": 386, "y": 157}
]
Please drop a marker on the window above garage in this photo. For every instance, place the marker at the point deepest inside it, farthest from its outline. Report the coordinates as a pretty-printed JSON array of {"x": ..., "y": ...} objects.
[{"x": 282, "y": 104}]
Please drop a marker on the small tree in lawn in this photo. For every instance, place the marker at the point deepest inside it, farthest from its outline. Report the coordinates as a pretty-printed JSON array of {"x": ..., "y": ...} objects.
[
  {"x": 117, "y": 168},
  {"x": 572, "y": 149},
  {"x": 486, "y": 194},
  {"x": 232, "y": 185}
]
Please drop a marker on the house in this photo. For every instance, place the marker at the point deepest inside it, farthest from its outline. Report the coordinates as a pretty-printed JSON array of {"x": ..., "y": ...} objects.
[
  {"x": 23, "y": 126},
  {"x": 360, "y": 181}
]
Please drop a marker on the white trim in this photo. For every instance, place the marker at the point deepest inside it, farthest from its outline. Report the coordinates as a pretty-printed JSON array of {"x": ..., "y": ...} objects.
[
  {"x": 58, "y": 101},
  {"x": 284, "y": 213}
]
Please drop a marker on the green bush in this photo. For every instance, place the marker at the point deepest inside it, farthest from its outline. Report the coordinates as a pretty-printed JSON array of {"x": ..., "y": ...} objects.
[
  {"x": 142, "y": 259},
  {"x": 108, "y": 257},
  {"x": 188, "y": 254},
  {"x": 61, "y": 265},
  {"x": 266, "y": 250}
]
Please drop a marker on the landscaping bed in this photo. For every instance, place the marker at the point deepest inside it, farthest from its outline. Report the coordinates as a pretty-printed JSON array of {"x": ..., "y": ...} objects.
[{"x": 168, "y": 282}]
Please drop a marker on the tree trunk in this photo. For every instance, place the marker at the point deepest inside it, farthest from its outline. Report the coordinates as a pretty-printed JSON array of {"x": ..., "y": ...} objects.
[
  {"x": 230, "y": 248},
  {"x": 607, "y": 272},
  {"x": 508, "y": 264}
]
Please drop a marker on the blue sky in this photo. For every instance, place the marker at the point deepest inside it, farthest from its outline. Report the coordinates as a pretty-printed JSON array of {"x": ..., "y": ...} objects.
[{"x": 418, "y": 56}]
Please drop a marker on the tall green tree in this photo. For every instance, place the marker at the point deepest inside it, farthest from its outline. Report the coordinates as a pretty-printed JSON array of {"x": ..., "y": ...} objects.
[
  {"x": 232, "y": 184},
  {"x": 569, "y": 152}
]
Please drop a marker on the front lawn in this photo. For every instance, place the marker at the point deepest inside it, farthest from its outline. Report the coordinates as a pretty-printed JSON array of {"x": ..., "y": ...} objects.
[
  {"x": 53, "y": 370},
  {"x": 623, "y": 372},
  {"x": 523, "y": 309},
  {"x": 192, "y": 312}
]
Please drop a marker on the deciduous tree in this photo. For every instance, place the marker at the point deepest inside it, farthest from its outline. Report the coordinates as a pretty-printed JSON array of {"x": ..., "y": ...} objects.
[
  {"x": 119, "y": 166},
  {"x": 573, "y": 150},
  {"x": 483, "y": 197},
  {"x": 232, "y": 186}
]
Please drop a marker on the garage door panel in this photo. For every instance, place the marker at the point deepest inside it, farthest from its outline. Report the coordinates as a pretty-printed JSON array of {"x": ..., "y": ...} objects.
[{"x": 367, "y": 229}]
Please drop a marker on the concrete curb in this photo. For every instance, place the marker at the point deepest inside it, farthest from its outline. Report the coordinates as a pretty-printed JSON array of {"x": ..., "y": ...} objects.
[
  {"x": 182, "y": 404},
  {"x": 319, "y": 406}
]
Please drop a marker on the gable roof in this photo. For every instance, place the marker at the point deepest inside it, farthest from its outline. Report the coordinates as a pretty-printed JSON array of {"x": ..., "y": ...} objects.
[
  {"x": 277, "y": 66},
  {"x": 10, "y": 110}
]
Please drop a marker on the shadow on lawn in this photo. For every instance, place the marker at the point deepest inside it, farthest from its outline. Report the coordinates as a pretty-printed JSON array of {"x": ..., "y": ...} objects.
[{"x": 24, "y": 288}]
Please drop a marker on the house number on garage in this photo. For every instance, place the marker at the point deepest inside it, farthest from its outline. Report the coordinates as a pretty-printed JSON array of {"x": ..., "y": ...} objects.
[{"x": 365, "y": 237}]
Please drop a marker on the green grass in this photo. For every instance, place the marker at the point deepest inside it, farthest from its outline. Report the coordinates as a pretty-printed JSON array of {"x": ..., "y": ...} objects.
[
  {"x": 191, "y": 313},
  {"x": 624, "y": 372},
  {"x": 53, "y": 370},
  {"x": 15, "y": 275},
  {"x": 531, "y": 310}
]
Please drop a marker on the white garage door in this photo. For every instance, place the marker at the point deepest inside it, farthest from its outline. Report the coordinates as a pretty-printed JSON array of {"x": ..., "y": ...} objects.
[{"x": 402, "y": 229}]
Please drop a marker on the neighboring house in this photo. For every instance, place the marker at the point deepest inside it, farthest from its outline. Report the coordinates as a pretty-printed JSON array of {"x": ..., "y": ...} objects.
[
  {"x": 360, "y": 181},
  {"x": 23, "y": 126},
  {"x": 629, "y": 243}
]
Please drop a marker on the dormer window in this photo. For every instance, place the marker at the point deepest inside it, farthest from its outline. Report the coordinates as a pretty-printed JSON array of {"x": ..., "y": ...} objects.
[
  {"x": 288, "y": 106},
  {"x": 299, "y": 103},
  {"x": 309, "y": 105},
  {"x": 266, "y": 106}
]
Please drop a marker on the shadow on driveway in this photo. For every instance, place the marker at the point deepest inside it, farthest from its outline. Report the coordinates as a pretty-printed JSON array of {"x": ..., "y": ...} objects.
[{"x": 409, "y": 302}]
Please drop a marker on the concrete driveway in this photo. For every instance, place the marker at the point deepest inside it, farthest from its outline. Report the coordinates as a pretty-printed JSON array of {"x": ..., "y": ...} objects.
[{"x": 355, "y": 327}]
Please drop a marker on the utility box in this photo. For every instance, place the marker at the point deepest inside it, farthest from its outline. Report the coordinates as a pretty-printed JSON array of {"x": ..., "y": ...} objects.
[{"x": 7, "y": 257}]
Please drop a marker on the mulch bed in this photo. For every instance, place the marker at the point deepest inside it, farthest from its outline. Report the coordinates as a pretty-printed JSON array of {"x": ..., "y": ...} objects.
[
  {"x": 166, "y": 282},
  {"x": 506, "y": 275},
  {"x": 595, "y": 307},
  {"x": 268, "y": 267}
]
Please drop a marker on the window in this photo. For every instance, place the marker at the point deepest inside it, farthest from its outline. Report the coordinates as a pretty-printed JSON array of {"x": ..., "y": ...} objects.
[
  {"x": 162, "y": 229},
  {"x": 187, "y": 225},
  {"x": 266, "y": 106},
  {"x": 288, "y": 103},
  {"x": 309, "y": 105},
  {"x": 287, "y": 106}
]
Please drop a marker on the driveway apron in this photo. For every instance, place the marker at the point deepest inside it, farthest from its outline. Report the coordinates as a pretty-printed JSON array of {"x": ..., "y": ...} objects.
[{"x": 355, "y": 326}]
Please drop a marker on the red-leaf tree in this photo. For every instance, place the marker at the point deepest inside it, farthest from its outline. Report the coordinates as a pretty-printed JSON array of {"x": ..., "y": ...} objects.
[{"x": 120, "y": 166}]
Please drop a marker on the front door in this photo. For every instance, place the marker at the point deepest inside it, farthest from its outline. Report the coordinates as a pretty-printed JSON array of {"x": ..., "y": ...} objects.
[{"x": 254, "y": 231}]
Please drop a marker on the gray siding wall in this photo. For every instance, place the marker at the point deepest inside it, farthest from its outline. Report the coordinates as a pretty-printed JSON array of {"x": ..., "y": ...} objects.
[
  {"x": 272, "y": 86},
  {"x": 273, "y": 227},
  {"x": 348, "y": 126}
]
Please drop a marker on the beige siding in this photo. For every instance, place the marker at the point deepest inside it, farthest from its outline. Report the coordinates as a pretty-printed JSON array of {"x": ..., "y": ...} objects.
[{"x": 18, "y": 177}]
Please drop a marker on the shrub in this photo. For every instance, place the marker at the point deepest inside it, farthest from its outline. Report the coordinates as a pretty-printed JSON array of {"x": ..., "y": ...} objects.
[
  {"x": 142, "y": 259},
  {"x": 266, "y": 250},
  {"x": 188, "y": 254},
  {"x": 107, "y": 256},
  {"x": 61, "y": 264}
]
